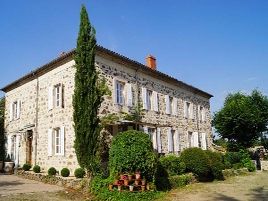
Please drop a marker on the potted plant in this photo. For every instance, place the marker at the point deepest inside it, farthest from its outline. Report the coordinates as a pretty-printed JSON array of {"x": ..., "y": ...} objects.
[
  {"x": 126, "y": 182},
  {"x": 110, "y": 187},
  {"x": 142, "y": 188},
  {"x": 119, "y": 187},
  {"x": 138, "y": 174},
  {"x": 131, "y": 187},
  {"x": 9, "y": 165},
  {"x": 130, "y": 177},
  {"x": 143, "y": 182}
]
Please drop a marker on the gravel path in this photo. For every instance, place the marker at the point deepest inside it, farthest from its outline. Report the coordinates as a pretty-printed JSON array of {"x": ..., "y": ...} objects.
[{"x": 253, "y": 187}]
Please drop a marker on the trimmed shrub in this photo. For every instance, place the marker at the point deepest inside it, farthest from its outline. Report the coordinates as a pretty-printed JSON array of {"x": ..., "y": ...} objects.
[
  {"x": 79, "y": 173},
  {"x": 247, "y": 163},
  {"x": 216, "y": 164},
  {"x": 172, "y": 164},
  {"x": 181, "y": 180},
  {"x": 26, "y": 167},
  {"x": 37, "y": 169},
  {"x": 65, "y": 172},
  {"x": 131, "y": 151},
  {"x": 52, "y": 171},
  {"x": 197, "y": 162}
]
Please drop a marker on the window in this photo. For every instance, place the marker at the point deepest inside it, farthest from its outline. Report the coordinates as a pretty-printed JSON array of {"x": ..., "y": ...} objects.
[
  {"x": 154, "y": 135},
  {"x": 15, "y": 110},
  {"x": 55, "y": 97},
  {"x": 171, "y": 105},
  {"x": 190, "y": 139},
  {"x": 57, "y": 142},
  {"x": 188, "y": 110},
  {"x": 120, "y": 92},
  {"x": 149, "y": 97},
  {"x": 202, "y": 117}
]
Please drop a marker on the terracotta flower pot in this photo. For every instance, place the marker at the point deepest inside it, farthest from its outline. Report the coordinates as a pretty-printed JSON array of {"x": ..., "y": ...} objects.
[
  {"x": 110, "y": 187},
  {"x": 142, "y": 188},
  {"x": 143, "y": 182},
  {"x": 119, "y": 188},
  {"x": 138, "y": 175},
  {"x": 116, "y": 182},
  {"x": 137, "y": 182},
  {"x": 9, "y": 167},
  {"x": 126, "y": 182},
  {"x": 130, "y": 177},
  {"x": 122, "y": 177}
]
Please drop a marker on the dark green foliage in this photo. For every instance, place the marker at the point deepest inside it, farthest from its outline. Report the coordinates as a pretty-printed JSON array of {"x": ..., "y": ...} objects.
[
  {"x": 26, "y": 167},
  {"x": 88, "y": 96},
  {"x": 216, "y": 163},
  {"x": 79, "y": 173},
  {"x": 2, "y": 136},
  {"x": 131, "y": 151},
  {"x": 65, "y": 172},
  {"x": 181, "y": 180},
  {"x": 99, "y": 187},
  {"x": 172, "y": 164},
  {"x": 36, "y": 169},
  {"x": 243, "y": 118},
  {"x": 52, "y": 171},
  {"x": 247, "y": 163},
  {"x": 197, "y": 162}
]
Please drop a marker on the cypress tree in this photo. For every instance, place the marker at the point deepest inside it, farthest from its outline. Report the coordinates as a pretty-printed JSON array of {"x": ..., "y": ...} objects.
[{"x": 88, "y": 96}]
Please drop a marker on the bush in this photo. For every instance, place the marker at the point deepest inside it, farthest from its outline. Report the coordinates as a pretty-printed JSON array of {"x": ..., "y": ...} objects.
[
  {"x": 247, "y": 163},
  {"x": 131, "y": 151},
  {"x": 197, "y": 162},
  {"x": 26, "y": 167},
  {"x": 79, "y": 173},
  {"x": 36, "y": 169},
  {"x": 216, "y": 164},
  {"x": 65, "y": 172},
  {"x": 52, "y": 171},
  {"x": 181, "y": 180},
  {"x": 173, "y": 165}
]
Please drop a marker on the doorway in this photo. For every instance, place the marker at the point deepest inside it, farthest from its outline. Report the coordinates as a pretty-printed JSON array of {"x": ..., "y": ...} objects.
[{"x": 29, "y": 139}]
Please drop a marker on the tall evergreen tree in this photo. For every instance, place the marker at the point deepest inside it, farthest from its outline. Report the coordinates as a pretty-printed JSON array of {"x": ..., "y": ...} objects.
[{"x": 88, "y": 96}]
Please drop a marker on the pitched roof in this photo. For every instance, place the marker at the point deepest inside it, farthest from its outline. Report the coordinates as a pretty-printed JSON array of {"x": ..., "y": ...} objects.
[{"x": 102, "y": 51}]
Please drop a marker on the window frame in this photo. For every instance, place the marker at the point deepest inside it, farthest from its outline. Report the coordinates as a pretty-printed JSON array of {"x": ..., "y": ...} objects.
[
  {"x": 57, "y": 131},
  {"x": 149, "y": 99},
  {"x": 120, "y": 92}
]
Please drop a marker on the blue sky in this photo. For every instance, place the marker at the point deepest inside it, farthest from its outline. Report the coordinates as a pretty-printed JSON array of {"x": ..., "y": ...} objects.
[{"x": 219, "y": 46}]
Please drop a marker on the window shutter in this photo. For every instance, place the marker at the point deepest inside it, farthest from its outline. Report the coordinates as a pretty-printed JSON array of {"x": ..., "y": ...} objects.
[
  {"x": 129, "y": 95},
  {"x": 144, "y": 98},
  {"x": 191, "y": 111},
  {"x": 18, "y": 109},
  {"x": 9, "y": 145},
  {"x": 159, "y": 144},
  {"x": 50, "y": 98},
  {"x": 175, "y": 106},
  {"x": 17, "y": 151},
  {"x": 199, "y": 113},
  {"x": 11, "y": 112},
  {"x": 49, "y": 142},
  {"x": 204, "y": 114},
  {"x": 62, "y": 95},
  {"x": 177, "y": 143},
  {"x": 155, "y": 97},
  {"x": 185, "y": 109},
  {"x": 195, "y": 139},
  {"x": 115, "y": 92},
  {"x": 167, "y": 100},
  {"x": 170, "y": 140},
  {"x": 155, "y": 140},
  {"x": 62, "y": 140},
  {"x": 145, "y": 129},
  {"x": 203, "y": 141}
]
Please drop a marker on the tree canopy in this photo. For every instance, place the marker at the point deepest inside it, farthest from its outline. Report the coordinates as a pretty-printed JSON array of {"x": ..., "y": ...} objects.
[{"x": 243, "y": 118}]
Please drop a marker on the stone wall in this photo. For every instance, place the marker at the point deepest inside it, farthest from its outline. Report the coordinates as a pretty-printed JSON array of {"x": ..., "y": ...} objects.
[
  {"x": 264, "y": 165},
  {"x": 34, "y": 110}
]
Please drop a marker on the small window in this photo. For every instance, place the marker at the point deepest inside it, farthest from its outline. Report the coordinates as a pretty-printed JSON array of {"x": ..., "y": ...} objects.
[
  {"x": 190, "y": 139},
  {"x": 172, "y": 105},
  {"x": 15, "y": 110},
  {"x": 57, "y": 95},
  {"x": 149, "y": 97},
  {"x": 120, "y": 92},
  {"x": 173, "y": 140},
  {"x": 201, "y": 115},
  {"x": 188, "y": 110}
]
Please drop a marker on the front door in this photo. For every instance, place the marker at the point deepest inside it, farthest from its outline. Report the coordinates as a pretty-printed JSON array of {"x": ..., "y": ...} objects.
[{"x": 29, "y": 147}]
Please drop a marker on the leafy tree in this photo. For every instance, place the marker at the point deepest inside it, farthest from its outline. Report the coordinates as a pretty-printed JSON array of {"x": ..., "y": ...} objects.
[
  {"x": 242, "y": 119},
  {"x": 88, "y": 96},
  {"x": 2, "y": 136}
]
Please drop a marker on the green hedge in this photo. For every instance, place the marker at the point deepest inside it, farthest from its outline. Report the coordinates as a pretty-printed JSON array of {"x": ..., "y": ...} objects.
[
  {"x": 131, "y": 151},
  {"x": 181, "y": 180},
  {"x": 172, "y": 164},
  {"x": 37, "y": 169},
  {"x": 26, "y": 167}
]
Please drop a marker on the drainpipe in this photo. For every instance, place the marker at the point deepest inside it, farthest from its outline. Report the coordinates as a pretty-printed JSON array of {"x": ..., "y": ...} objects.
[{"x": 36, "y": 118}]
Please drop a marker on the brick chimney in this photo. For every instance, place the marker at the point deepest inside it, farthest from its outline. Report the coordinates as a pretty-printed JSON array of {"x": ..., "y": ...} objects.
[{"x": 151, "y": 62}]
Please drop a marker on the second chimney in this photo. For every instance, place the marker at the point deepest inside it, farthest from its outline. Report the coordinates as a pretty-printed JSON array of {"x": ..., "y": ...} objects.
[{"x": 151, "y": 62}]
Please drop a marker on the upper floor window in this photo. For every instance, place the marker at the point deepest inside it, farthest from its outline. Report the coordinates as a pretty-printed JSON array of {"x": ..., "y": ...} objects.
[
  {"x": 120, "y": 92},
  {"x": 171, "y": 105},
  {"x": 188, "y": 110},
  {"x": 15, "y": 108},
  {"x": 201, "y": 114},
  {"x": 55, "y": 96},
  {"x": 149, "y": 99},
  {"x": 123, "y": 93},
  {"x": 56, "y": 141},
  {"x": 173, "y": 141}
]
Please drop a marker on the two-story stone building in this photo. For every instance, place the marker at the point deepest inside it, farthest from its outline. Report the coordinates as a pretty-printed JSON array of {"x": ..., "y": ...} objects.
[{"x": 39, "y": 122}]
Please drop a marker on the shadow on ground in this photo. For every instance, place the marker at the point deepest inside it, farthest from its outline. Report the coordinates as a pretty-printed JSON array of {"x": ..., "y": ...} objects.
[{"x": 259, "y": 193}]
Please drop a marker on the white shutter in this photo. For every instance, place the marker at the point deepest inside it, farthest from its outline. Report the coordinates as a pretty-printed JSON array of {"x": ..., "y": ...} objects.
[
  {"x": 203, "y": 141},
  {"x": 191, "y": 111},
  {"x": 144, "y": 98},
  {"x": 170, "y": 140},
  {"x": 9, "y": 145},
  {"x": 185, "y": 109},
  {"x": 114, "y": 91},
  {"x": 195, "y": 139},
  {"x": 129, "y": 94},
  {"x": 175, "y": 106},
  {"x": 155, "y": 98},
  {"x": 176, "y": 140},
  {"x": 159, "y": 144},
  {"x": 11, "y": 111},
  {"x": 49, "y": 142},
  {"x": 62, "y": 140},
  {"x": 204, "y": 114},
  {"x": 199, "y": 113},
  {"x": 167, "y": 101},
  {"x": 50, "y": 98},
  {"x": 145, "y": 129},
  {"x": 155, "y": 140},
  {"x": 18, "y": 109},
  {"x": 17, "y": 151}
]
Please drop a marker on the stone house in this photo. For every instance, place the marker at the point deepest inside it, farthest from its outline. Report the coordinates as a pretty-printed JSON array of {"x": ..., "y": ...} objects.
[{"x": 39, "y": 126}]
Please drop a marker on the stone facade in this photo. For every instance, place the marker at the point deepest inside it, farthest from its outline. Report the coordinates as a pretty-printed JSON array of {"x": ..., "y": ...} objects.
[{"x": 31, "y": 93}]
